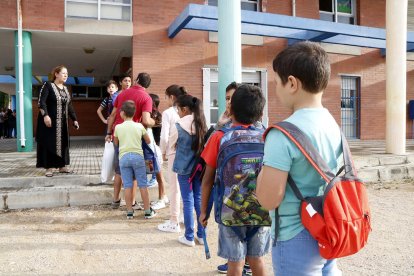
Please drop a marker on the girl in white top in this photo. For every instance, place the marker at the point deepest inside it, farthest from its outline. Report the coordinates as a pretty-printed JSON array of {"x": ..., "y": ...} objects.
[{"x": 167, "y": 145}]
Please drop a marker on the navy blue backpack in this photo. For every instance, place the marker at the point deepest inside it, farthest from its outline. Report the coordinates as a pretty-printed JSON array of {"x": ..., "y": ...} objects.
[{"x": 239, "y": 162}]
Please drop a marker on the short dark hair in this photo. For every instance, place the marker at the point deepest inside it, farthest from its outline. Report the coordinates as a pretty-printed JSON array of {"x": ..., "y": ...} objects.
[
  {"x": 144, "y": 79},
  {"x": 122, "y": 76},
  {"x": 111, "y": 82},
  {"x": 128, "y": 108},
  {"x": 306, "y": 61},
  {"x": 232, "y": 85},
  {"x": 247, "y": 113}
]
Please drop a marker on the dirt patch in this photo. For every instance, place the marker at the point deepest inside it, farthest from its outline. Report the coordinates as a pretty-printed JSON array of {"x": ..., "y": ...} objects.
[{"x": 98, "y": 240}]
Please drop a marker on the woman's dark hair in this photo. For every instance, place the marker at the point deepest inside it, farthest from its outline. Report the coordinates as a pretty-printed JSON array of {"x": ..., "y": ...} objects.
[
  {"x": 144, "y": 79},
  {"x": 247, "y": 113},
  {"x": 306, "y": 61},
  {"x": 57, "y": 70},
  {"x": 195, "y": 106},
  {"x": 176, "y": 91},
  {"x": 155, "y": 100},
  {"x": 128, "y": 108}
]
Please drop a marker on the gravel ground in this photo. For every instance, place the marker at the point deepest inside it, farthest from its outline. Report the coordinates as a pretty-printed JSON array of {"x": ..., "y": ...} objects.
[{"x": 97, "y": 240}]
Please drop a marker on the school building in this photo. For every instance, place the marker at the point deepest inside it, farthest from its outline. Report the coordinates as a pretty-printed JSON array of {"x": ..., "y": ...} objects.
[{"x": 175, "y": 41}]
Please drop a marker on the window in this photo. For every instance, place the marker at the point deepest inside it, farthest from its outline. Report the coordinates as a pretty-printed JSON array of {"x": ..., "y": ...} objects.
[
  {"x": 99, "y": 9},
  {"x": 341, "y": 11},
  {"x": 210, "y": 91},
  {"x": 247, "y": 5},
  {"x": 350, "y": 106}
]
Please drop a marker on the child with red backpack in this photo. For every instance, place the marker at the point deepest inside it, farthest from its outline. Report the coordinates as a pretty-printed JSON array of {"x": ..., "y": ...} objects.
[{"x": 288, "y": 181}]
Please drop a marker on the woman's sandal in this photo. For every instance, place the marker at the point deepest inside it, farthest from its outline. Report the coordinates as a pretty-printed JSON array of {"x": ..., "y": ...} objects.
[
  {"x": 65, "y": 170},
  {"x": 49, "y": 173}
]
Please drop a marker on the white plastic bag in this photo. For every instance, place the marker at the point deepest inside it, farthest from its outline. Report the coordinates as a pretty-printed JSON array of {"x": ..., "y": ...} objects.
[{"x": 108, "y": 170}]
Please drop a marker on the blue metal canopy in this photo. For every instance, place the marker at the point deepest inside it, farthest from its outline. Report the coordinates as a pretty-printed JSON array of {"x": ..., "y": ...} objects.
[{"x": 205, "y": 18}]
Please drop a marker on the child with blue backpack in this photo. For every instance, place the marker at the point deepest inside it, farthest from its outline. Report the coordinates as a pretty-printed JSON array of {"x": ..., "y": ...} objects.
[
  {"x": 191, "y": 129},
  {"x": 247, "y": 239}
]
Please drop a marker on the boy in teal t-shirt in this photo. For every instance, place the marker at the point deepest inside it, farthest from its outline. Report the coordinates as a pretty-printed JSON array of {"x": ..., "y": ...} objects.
[
  {"x": 302, "y": 73},
  {"x": 129, "y": 136}
]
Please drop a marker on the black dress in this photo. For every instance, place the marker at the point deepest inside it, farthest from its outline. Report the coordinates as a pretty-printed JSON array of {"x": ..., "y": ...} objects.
[{"x": 53, "y": 142}]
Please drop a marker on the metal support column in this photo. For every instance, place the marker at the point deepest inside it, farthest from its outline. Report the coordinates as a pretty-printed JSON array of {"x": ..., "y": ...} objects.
[
  {"x": 25, "y": 138},
  {"x": 229, "y": 47}
]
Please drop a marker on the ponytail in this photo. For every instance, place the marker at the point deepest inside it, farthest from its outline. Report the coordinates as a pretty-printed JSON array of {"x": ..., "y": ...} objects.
[
  {"x": 195, "y": 106},
  {"x": 176, "y": 91}
]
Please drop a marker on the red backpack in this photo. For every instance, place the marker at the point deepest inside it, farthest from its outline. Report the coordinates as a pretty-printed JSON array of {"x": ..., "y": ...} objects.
[{"x": 339, "y": 219}]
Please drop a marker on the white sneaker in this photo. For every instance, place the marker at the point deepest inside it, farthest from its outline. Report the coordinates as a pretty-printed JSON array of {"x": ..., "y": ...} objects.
[
  {"x": 165, "y": 199},
  {"x": 199, "y": 240},
  {"x": 183, "y": 240},
  {"x": 122, "y": 203},
  {"x": 169, "y": 227},
  {"x": 159, "y": 204}
]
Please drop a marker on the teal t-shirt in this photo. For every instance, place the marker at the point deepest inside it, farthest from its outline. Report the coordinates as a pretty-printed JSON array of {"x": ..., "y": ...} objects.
[
  {"x": 130, "y": 135},
  {"x": 280, "y": 153}
]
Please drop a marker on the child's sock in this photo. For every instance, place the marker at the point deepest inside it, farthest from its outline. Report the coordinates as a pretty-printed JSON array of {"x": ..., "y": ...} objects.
[{"x": 147, "y": 212}]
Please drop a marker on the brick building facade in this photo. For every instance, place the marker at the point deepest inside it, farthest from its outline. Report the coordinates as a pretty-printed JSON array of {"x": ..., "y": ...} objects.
[{"x": 181, "y": 60}]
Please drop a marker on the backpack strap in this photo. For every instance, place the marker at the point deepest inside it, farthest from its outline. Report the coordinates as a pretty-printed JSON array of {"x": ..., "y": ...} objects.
[{"x": 306, "y": 147}]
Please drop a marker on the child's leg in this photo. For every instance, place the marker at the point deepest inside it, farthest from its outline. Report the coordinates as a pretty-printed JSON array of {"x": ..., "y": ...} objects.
[
  {"x": 188, "y": 202},
  {"x": 161, "y": 187},
  {"x": 141, "y": 178},
  {"x": 128, "y": 197},
  {"x": 235, "y": 268},
  {"x": 145, "y": 197},
  {"x": 127, "y": 173},
  {"x": 197, "y": 204},
  {"x": 175, "y": 193},
  {"x": 117, "y": 179},
  {"x": 257, "y": 265},
  {"x": 134, "y": 190}
]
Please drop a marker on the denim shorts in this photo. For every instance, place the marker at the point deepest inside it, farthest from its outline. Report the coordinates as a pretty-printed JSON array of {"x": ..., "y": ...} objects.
[
  {"x": 300, "y": 256},
  {"x": 230, "y": 246},
  {"x": 116, "y": 160},
  {"x": 132, "y": 166}
]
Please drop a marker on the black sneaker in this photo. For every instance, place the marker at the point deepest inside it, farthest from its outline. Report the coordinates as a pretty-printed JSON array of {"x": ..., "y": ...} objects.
[
  {"x": 151, "y": 214},
  {"x": 130, "y": 214}
]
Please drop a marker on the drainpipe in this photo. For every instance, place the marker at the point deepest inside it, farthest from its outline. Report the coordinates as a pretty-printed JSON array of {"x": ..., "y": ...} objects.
[
  {"x": 293, "y": 7},
  {"x": 20, "y": 73}
]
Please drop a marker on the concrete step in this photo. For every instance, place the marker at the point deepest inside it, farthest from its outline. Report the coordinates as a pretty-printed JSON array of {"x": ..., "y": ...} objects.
[
  {"x": 387, "y": 173},
  {"x": 44, "y": 196}
]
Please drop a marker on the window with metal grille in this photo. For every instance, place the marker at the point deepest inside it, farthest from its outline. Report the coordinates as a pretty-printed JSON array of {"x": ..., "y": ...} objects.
[
  {"x": 350, "y": 106},
  {"x": 341, "y": 11},
  {"x": 99, "y": 9}
]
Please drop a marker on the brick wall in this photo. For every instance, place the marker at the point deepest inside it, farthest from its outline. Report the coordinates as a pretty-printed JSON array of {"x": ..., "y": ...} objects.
[
  {"x": 90, "y": 124},
  {"x": 37, "y": 14}
]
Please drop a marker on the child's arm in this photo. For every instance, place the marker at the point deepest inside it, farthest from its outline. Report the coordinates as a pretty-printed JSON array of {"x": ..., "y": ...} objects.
[
  {"x": 165, "y": 133},
  {"x": 116, "y": 141},
  {"x": 146, "y": 138},
  {"x": 271, "y": 186},
  {"x": 206, "y": 187},
  {"x": 99, "y": 112}
]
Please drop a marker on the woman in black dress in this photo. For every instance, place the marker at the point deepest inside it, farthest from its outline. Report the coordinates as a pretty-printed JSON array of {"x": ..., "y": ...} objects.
[{"x": 52, "y": 135}]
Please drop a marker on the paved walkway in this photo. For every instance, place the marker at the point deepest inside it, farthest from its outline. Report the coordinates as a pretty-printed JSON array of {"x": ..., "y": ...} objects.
[{"x": 22, "y": 185}]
